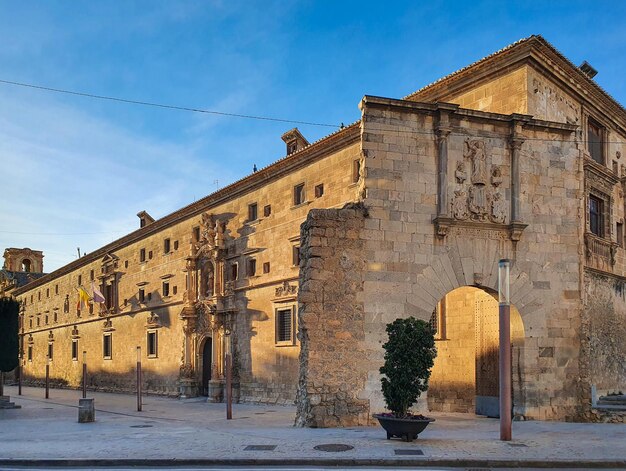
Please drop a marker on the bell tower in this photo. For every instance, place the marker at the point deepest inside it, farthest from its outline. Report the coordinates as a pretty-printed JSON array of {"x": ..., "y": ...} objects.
[{"x": 23, "y": 260}]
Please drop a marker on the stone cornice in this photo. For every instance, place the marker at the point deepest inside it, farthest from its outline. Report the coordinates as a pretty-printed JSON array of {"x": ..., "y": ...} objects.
[
  {"x": 454, "y": 110},
  {"x": 299, "y": 159}
]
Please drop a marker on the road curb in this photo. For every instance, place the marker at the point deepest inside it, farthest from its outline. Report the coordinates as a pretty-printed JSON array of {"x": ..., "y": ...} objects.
[{"x": 356, "y": 462}]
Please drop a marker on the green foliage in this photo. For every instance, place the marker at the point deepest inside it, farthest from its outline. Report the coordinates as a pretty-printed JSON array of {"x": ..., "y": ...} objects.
[
  {"x": 409, "y": 356},
  {"x": 9, "y": 345}
]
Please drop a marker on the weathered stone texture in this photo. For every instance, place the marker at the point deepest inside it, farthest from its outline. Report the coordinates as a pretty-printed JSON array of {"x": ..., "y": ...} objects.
[{"x": 333, "y": 367}]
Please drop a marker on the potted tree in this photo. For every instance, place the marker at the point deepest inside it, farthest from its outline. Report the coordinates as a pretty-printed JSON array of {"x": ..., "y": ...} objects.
[{"x": 409, "y": 355}]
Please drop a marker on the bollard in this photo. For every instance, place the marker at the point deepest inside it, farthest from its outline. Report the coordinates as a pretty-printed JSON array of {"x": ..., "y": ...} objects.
[{"x": 86, "y": 410}]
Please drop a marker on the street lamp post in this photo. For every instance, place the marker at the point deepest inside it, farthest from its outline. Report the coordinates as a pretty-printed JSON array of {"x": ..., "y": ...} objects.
[
  {"x": 47, "y": 375},
  {"x": 20, "y": 372},
  {"x": 84, "y": 374},
  {"x": 229, "y": 379},
  {"x": 139, "y": 379},
  {"x": 505, "y": 348}
]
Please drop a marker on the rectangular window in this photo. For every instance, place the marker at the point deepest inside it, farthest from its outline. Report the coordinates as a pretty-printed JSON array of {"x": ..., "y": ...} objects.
[
  {"x": 80, "y": 280},
  {"x": 175, "y": 245},
  {"x": 295, "y": 255},
  {"x": 142, "y": 255},
  {"x": 285, "y": 332},
  {"x": 196, "y": 233},
  {"x": 47, "y": 292},
  {"x": 106, "y": 346},
  {"x": 251, "y": 267},
  {"x": 30, "y": 353},
  {"x": 56, "y": 289},
  {"x": 356, "y": 170},
  {"x": 319, "y": 190},
  {"x": 90, "y": 308},
  {"x": 595, "y": 136},
  {"x": 298, "y": 194},
  {"x": 75, "y": 349},
  {"x": 253, "y": 212},
  {"x": 267, "y": 210},
  {"x": 166, "y": 246},
  {"x": 150, "y": 255},
  {"x": 30, "y": 322},
  {"x": 166, "y": 289},
  {"x": 46, "y": 319},
  {"x": 50, "y": 351},
  {"x": 234, "y": 271},
  {"x": 142, "y": 295},
  {"x": 109, "y": 298},
  {"x": 595, "y": 216},
  {"x": 91, "y": 275},
  {"x": 151, "y": 344},
  {"x": 266, "y": 267}
]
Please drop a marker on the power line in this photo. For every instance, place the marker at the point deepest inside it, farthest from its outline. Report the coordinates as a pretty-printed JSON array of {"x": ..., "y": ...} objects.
[{"x": 161, "y": 105}]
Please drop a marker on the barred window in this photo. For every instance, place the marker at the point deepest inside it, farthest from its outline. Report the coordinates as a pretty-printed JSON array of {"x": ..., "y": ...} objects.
[{"x": 285, "y": 326}]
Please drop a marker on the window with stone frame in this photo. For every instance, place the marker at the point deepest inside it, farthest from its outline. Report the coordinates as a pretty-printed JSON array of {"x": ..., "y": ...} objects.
[
  {"x": 107, "y": 350},
  {"x": 595, "y": 140},
  {"x": 298, "y": 194},
  {"x": 152, "y": 343},
  {"x": 74, "y": 349},
  {"x": 253, "y": 212},
  {"x": 30, "y": 353},
  {"x": 285, "y": 325},
  {"x": 50, "y": 351},
  {"x": 251, "y": 269},
  {"x": 597, "y": 214}
]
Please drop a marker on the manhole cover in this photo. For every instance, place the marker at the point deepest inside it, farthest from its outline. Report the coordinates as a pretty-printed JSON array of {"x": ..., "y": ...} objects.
[
  {"x": 140, "y": 426},
  {"x": 409, "y": 452},
  {"x": 260, "y": 448},
  {"x": 333, "y": 447}
]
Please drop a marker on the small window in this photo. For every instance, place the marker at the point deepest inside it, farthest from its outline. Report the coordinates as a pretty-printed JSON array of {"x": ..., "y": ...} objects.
[
  {"x": 234, "y": 271},
  {"x": 253, "y": 212},
  {"x": 30, "y": 323},
  {"x": 285, "y": 332},
  {"x": 75, "y": 349},
  {"x": 356, "y": 170},
  {"x": 620, "y": 233},
  {"x": 595, "y": 136},
  {"x": 31, "y": 299},
  {"x": 39, "y": 295},
  {"x": 266, "y": 267},
  {"x": 150, "y": 255},
  {"x": 38, "y": 321},
  {"x": 292, "y": 147},
  {"x": 166, "y": 246},
  {"x": 142, "y": 295},
  {"x": 175, "y": 245},
  {"x": 47, "y": 292},
  {"x": 56, "y": 289},
  {"x": 50, "y": 351},
  {"x": 142, "y": 255},
  {"x": 149, "y": 296},
  {"x": 91, "y": 275},
  {"x": 55, "y": 317},
  {"x": 106, "y": 346},
  {"x": 595, "y": 215},
  {"x": 295, "y": 255},
  {"x": 298, "y": 194},
  {"x": 46, "y": 319},
  {"x": 319, "y": 190},
  {"x": 152, "y": 345},
  {"x": 196, "y": 233},
  {"x": 125, "y": 263},
  {"x": 30, "y": 353},
  {"x": 166, "y": 289},
  {"x": 267, "y": 210},
  {"x": 174, "y": 290},
  {"x": 251, "y": 267},
  {"x": 80, "y": 280},
  {"x": 90, "y": 308}
]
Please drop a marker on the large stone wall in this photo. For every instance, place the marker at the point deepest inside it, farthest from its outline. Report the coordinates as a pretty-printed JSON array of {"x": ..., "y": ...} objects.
[{"x": 333, "y": 367}]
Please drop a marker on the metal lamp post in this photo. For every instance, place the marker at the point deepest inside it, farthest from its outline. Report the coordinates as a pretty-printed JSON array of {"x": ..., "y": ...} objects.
[
  {"x": 20, "y": 373},
  {"x": 505, "y": 348},
  {"x": 139, "y": 379},
  {"x": 229, "y": 379},
  {"x": 47, "y": 376},
  {"x": 84, "y": 374}
]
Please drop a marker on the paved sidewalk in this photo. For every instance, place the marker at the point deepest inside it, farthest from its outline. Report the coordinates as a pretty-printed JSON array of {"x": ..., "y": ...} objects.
[{"x": 193, "y": 432}]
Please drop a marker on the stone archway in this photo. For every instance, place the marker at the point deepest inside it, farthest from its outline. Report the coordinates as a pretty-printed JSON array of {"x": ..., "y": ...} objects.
[{"x": 465, "y": 376}]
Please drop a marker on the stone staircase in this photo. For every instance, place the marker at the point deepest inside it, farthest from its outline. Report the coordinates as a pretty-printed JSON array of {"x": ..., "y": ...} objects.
[{"x": 5, "y": 403}]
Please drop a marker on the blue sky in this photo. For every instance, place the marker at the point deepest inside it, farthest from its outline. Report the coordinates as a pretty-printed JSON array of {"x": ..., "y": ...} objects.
[{"x": 75, "y": 171}]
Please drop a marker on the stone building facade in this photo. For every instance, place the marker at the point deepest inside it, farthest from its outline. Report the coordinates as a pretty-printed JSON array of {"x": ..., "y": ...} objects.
[{"x": 405, "y": 212}]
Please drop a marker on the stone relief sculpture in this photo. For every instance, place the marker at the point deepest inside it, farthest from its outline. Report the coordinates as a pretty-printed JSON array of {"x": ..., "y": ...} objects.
[{"x": 478, "y": 199}]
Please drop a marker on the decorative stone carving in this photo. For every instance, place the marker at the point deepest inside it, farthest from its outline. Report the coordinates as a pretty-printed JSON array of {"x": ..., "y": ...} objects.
[
  {"x": 108, "y": 324},
  {"x": 475, "y": 151},
  {"x": 459, "y": 205},
  {"x": 50, "y": 336},
  {"x": 187, "y": 371},
  {"x": 478, "y": 202},
  {"x": 496, "y": 176},
  {"x": 153, "y": 321},
  {"x": 460, "y": 174},
  {"x": 498, "y": 208},
  {"x": 286, "y": 290},
  {"x": 75, "y": 332}
]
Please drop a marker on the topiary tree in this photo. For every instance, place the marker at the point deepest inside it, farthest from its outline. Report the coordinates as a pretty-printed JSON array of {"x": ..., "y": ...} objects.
[
  {"x": 9, "y": 345},
  {"x": 409, "y": 355}
]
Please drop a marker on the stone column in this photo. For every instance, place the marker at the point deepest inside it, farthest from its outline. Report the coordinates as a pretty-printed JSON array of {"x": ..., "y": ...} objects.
[
  {"x": 516, "y": 141},
  {"x": 442, "y": 131}
]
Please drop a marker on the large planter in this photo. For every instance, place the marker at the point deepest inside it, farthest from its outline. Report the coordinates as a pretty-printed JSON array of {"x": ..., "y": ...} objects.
[{"x": 406, "y": 429}]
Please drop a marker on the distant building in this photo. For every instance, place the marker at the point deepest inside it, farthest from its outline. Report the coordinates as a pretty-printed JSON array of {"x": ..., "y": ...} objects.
[
  {"x": 21, "y": 266},
  {"x": 299, "y": 266}
]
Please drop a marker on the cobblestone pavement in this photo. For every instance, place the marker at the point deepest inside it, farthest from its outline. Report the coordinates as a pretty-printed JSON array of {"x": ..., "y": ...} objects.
[{"x": 194, "y": 431}]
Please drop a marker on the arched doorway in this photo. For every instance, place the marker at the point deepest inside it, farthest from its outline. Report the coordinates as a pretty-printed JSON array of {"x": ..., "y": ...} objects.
[
  {"x": 207, "y": 361},
  {"x": 465, "y": 376}
]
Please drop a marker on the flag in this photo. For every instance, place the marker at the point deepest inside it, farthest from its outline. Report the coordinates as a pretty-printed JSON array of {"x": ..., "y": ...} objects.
[
  {"x": 83, "y": 297},
  {"x": 97, "y": 295}
]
